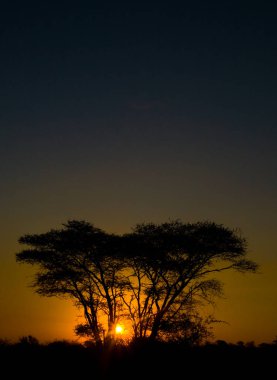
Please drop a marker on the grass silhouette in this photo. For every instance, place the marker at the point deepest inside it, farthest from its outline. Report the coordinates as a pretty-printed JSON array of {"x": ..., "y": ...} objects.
[{"x": 140, "y": 359}]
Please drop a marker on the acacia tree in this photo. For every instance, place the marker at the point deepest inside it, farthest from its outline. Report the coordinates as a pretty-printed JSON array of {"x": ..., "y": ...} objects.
[
  {"x": 79, "y": 262},
  {"x": 157, "y": 276},
  {"x": 171, "y": 268}
]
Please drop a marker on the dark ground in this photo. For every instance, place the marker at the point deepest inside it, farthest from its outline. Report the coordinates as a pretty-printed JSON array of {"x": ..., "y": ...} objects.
[{"x": 62, "y": 360}]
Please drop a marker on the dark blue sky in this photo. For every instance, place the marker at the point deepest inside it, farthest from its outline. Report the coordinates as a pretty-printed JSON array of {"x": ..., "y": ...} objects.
[
  {"x": 200, "y": 63},
  {"x": 173, "y": 92},
  {"x": 123, "y": 112}
]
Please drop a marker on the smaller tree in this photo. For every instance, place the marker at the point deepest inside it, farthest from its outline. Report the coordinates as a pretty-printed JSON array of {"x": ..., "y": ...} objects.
[
  {"x": 29, "y": 340},
  {"x": 191, "y": 329}
]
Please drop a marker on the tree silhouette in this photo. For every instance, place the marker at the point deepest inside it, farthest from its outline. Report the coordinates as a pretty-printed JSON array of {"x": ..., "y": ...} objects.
[
  {"x": 172, "y": 264},
  {"x": 78, "y": 262},
  {"x": 158, "y": 276}
]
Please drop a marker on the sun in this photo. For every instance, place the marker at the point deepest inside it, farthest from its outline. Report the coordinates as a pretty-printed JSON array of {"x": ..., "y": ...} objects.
[{"x": 119, "y": 329}]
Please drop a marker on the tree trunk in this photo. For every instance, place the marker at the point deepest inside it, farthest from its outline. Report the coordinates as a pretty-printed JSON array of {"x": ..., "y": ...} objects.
[{"x": 155, "y": 327}]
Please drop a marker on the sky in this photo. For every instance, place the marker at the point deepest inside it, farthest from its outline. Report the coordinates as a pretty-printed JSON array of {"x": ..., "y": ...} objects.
[{"x": 119, "y": 113}]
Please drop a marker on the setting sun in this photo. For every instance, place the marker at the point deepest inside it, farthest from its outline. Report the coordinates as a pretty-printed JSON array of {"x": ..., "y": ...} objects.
[{"x": 119, "y": 329}]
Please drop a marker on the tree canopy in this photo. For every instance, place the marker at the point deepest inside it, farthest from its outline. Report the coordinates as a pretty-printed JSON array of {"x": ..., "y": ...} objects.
[{"x": 157, "y": 276}]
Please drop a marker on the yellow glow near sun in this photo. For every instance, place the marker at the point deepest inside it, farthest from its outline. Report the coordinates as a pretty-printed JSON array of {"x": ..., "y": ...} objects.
[{"x": 119, "y": 329}]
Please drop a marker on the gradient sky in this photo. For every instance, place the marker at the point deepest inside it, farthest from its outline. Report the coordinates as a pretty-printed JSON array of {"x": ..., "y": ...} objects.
[{"x": 123, "y": 112}]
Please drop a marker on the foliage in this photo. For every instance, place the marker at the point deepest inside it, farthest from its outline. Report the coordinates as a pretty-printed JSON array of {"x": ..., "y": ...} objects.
[
  {"x": 171, "y": 267},
  {"x": 78, "y": 262},
  {"x": 158, "y": 276}
]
